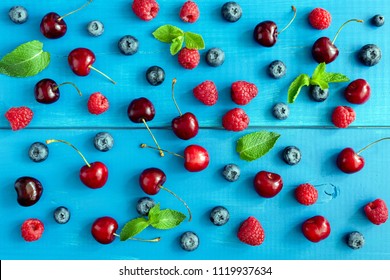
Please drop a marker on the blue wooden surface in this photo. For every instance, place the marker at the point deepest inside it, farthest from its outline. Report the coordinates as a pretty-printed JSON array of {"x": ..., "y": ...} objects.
[{"x": 308, "y": 127}]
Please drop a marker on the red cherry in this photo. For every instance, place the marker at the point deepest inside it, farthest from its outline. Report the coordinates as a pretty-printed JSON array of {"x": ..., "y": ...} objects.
[
  {"x": 151, "y": 180},
  {"x": 53, "y": 26},
  {"x": 349, "y": 162},
  {"x": 95, "y": 175},
  {"x": 358, "y": 91},
  {"x": 29, "y": 190},
  {"x": 316, "y": 228},
  {"x": 47, "y": 91},
  {"x": 196, "y": 158},
  {"x": 268, "y": 184},
  {"x": 103, "y": 229}
]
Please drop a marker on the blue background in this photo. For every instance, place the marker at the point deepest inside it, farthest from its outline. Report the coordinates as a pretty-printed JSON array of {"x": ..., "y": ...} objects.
[{"x": 309, "y": 127}]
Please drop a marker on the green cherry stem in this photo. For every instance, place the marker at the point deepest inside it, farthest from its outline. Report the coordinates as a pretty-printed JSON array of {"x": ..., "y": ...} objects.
[
  {"x": 71, "y": 145},
  {"x": 75, "y": 11},
  {"x": 154, "y": 139},
  {"x": 69, "y": 83},
  {"x": 153, "y": 148},
  {"x": 173, "y": 96},
  {"x": 373, "y": 143},
  {"x": 179, "y": 198},
  {"x": 157, "y": 239},
  {"x": 103, "y": 74},
  {"x": 342, "y": 26},
  {"x": 288, "y": 25}
]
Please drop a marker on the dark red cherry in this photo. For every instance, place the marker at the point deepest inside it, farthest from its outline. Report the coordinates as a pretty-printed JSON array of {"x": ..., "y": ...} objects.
[
  {"x": 151, "y": 180},
  {"x": 95, "y": 175},
  {"x": 103, "y": 229},
  {"x": 316, "y": 228},
  {"x": 141, "y": 109},
  {"x": 29, "y": 190},
  {"x": 47, "y": 91},
  {"x": 196, "y": 158},
  {"x": 185, "y": 126},
  {"x": 267, "y": 184},
  {"x": 357, "y": 92},
  {"x": 53, "y": 26},
  {"x": 349, "y": 161},
  {"x": 324, "y": 50},
  {"x": 80, "y": 61}
]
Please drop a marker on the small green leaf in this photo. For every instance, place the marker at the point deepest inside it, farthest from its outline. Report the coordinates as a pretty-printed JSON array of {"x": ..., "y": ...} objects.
[
  {"x": 176, "y": 45},
  {"x": 296, "y": 86},
  {"x": 26, "y": 60},
  {"x": 193, "y": 41},
  {"x": 334, "y": 77},
  {"x": 167, "y": 33},
  {"x": 133, "y": 227},
  {"x": 255, "y": 145},
  {"x": 166, "y": 219},
  {"x": 319, "y": 71},
  {"x": 318, "y": 82},
  {"x": 153, "y": 212}
]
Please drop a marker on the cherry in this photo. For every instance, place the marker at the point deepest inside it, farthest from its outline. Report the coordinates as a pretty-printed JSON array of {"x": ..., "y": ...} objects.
[
  {"x": 357, "y": 92},
  {"x": 93, "y": 175},
  {"x": 266, "y": 32},
  {"x": 324, "y": 50},
  {"x": 103, "y": 229},
  {"x": 267, "y": 184},
  {"x": 29, "y": 190},
  {"x": 80, "y": 61},
  {"x": 151, "y": 181},
  {"x": 53, "y": 25},
  {"x": 316, "y": 228},
  {"x": 47, "y": 91},
  {"x": 186, "y": 125}
]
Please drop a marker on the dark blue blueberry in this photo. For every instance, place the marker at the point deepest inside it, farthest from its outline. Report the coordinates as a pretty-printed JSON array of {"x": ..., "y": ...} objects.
[
  {"x": 128, "y": 45},
  {"x": 215, "y": 57},
  {"x": 292, "y": 155},
  {"x": 18, "y": 14},
  {"x": 155, "y": 75},
  {"x": 281, "y": 111},
  {"x": 231, "y": 11},
  {"x": 219, "y": 215},
  {"x": 277, "y": 69},
  {"x": 61, "y": 215},
  {"x": 370, "y": 54},
  {"x": 144, "y": 204},
  {"x": 189, "y": 241},
  {"x": 355, "y": 240},
  {"x": 103, "y": 141},
  {"x": 231, "y": 172},
  {"x": 318, "y": 94},
  {"x": 95, "y": 28},
  {"x": 38, "y": 152},
  {"x": 378, "y": 20}
]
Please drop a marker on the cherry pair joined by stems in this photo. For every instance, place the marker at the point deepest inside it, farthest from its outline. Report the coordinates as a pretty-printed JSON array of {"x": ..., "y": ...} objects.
[{"x": 47, "y": 91}]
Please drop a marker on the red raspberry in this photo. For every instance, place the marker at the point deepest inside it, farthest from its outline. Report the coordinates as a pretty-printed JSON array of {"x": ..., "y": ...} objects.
[
  {"x": 97, "y": 103},
  {"x": 145, "y": 9},
  {"x": 188, "y": 58},
  {"x": 32, "y": 229},
  {"x": 376, "y": 211},
  {"x": 251, "y": 232},
  {"x": 206, "y": 93},
  {"x": 320, "y": 18},
  {"x": 235, "y": 120},
  {"x": 19, "y": 117},
  {"x": 243, "y": 92},
  {"x": 306, "y": 194},
  {"x": 343, "y": 116},
  {"x": 189, "y": 12}
]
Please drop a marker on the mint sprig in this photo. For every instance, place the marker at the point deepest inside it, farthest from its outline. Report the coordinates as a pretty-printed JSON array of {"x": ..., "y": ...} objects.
[
  {"x": 256, "y": 144},
  {"x": 319, "y": 77}
]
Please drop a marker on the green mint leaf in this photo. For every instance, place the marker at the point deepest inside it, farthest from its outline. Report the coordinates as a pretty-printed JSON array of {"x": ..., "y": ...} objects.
[
  {"x": 153, "y": 212},
  {"x": 319, "y": 82},
  {"x": 334, "y": 77},
  {"x": 193, "y": 41},
  {"x": 319, "y": 71},
  {"x": 255, "y": 145},
  {"x": 176, "y": 45},
  {"x": 167, "y": 33},
  {"x": 166, "y": 219},
  {"x": 26, "y": 60},
  {"x": 296, "y": 86},
  {"x": 133, "y": 227}
]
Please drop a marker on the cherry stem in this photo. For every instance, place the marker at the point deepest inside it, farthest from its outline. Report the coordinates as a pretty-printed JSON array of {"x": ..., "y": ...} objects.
[
  {"x": 75, "y": 11},
  {"x": 154, "y": 139},
  {"x": 169, "y": 152},
  {"x": 69, "y": 83},
  {"x": 179, "y": 198},
  {"x": 342, "y": 26},
  {"x": 101, "y": 73},
  {"x": 373, "y": 143},
  {"x": 173, "y": 96},
  {"x": 157, "y": 239},
  {"x": 288, "y": 25},
  {"x": 69, "y": 144}
]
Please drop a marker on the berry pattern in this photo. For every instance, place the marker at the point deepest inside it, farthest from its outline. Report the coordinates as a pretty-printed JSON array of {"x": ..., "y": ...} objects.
[
  {"x": 97, "y": 103},
  {"x": 145, "y": 9},
  {"x": 188, "y": 58},
  {"x": 32, "y": 229},
  {"x": 320, "y": 18},
  {"x": 343, "y": 116},
  {"x": 235, "y": 120},
  {"x": 306, "y": 194},
  {"x": 243, "y": 92},
  {"x": 206, "y": 92},
  {"x": 251, "y": 232},
  {"x": 19, "y": 117},
  {"x": 189, "y": 12},
  {"x": 376, "y": 211}
]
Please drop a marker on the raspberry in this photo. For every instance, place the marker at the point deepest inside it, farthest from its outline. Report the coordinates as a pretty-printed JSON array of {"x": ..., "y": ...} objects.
[
  {"x": 32, "y": 229},
  {"x": 243, "y": 92},
  {"x": 306, "y": 194},
  {"x": 343, "y": 116},
  {"x": 376, "y": 211},
  {"x": 189, "y": 12},
  {"x": 188, "y": 58},
  {"x": 19, "y": 117},
  {"x": 251, "y": 232},
  {"x": 97, "y": 103},
  {"x": 235, "y": 120},
  {"x": 145, "y": 9},
  {"x": 206, "y": 93},
  {"x": 320, "y": 18}
]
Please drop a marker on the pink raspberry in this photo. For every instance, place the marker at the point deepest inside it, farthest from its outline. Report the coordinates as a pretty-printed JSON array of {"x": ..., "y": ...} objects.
[
  {"x": 251, "y": 232},
  {"x": 376, "y": 211},
  {"x": 343, "y": 116},
  {"x": 243, "y": 92},
  {"x": 235, "y": 120},
  {"x": 188, "y": 58},
  {"x": 97, "y": 103},
  {"x": 206, "y": 93},
  {"x": 145, "y": 9},
  {"x": 320, "y": 18},
  {"x": 32, "y": 229},
  {"x": 189, "y": 12},
  {"x": 306, "y": 194},
  {"x": 19, "y": 117}
]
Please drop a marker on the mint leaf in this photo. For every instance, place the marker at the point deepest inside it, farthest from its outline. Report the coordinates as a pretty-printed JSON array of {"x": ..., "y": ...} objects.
[
  {"x": 154, "y": 211},
  {"x": 26, "y": 60},
  {"x": 166, "y": 219},
  {"x": 334, "y": 77},
  {"x": 176, "y": 45},
  {"x": 296, "y": 86},
  {"x": 255, "y": 145},
  {"x": 133, "y": 227},
  {"x": 167, "y": 33},
  {"x": 319, "y": 71},
  {"x": 193, "y": 41},
  {"x": 321, "y": 83}
]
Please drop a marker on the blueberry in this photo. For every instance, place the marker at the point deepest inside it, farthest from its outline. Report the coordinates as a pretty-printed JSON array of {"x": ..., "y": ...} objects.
[
  {"x": 277, "y": 69},
  {"x": 103, "y": 141},
  {"x": 128, "y": 45},
  {"x": 378, "y": 20},
  {"x": 355, "y": 240},
  {"x": 155, "y": 75},
  {"x": 189, "y": 241},
  {"x": 38, "y": 152},
  {"x": 281, "y": 111},
  {"x": 370, "y": 54},
  {"x": 318, "y": 94},
  {"x": 18, "y": 14},
  {"x": 231, "y": 172},
  {"x": 215, "y": 57},
  {"x": 144, "y": 204},
  {"x": 61, "y": 215},
  {"x": 219, "y": 215},
  {"x": 95, "y": 28},
  {"x": 292, "y": 155},
  {"x": 231, "y": 11}
]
